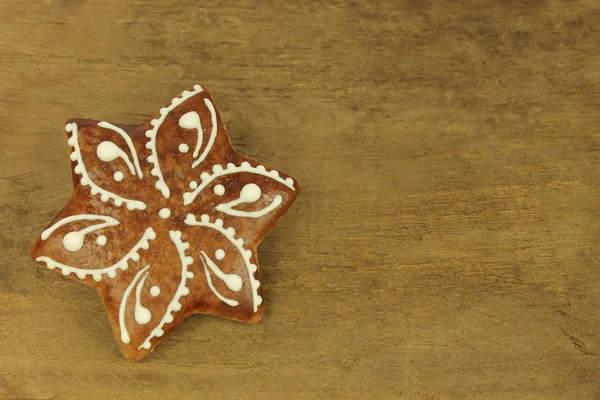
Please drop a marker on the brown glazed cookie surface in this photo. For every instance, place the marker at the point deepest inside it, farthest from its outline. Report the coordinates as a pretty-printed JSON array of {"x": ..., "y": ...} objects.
[{"x": 164, "y": 221}]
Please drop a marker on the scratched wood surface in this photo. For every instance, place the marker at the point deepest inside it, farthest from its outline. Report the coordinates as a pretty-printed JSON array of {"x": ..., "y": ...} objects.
[{"x": 446, "y": 242}]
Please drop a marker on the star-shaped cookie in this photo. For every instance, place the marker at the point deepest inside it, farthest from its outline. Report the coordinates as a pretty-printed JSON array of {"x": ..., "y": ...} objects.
[{"x": 164, "y": 220}]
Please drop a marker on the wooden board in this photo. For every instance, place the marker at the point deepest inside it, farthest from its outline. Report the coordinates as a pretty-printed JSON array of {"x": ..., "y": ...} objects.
[{"x": 446, "y": 243}]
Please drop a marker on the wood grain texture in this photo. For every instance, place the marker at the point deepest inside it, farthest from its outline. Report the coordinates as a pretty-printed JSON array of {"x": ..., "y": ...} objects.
[{"x": 446, "y": 243}]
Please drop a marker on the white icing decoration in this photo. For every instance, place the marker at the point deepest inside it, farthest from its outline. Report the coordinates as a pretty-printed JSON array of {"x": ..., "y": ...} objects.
[
  {"x": 154, "y": 291},
  {"x": 191, "y": 120},
  {"x": 206, "y": 178},
  {"x": 213, "y": 134},
  {"x": 109, "y": 221},
  {"x": 229, "y": 233},
  {"x": 142, "y": 314},
  {"x": 219, "y": 190},
  {"x": 151, "y": 134},
  {"x": 108, "y": 152},
  {"x": 233, "y": 281},
  {"x": 101, "y": 240},
  {"x": 164, "y": 213},
  {"x": 111, "y": 270},
  {"x": 182, "y": 290},
  {"x": 125, "y": 136},
  {"x": 73, "y": 241},
  {"x": 228, "y": 301},
  {"x": 193, "y": 185},
  {"x": 183, "y": 148},
  {"x": 124, "y": 334},
  {"x": 220, "y": 254},
  {"x": 85, "y": 180},
  {"x": 250, "y": 193},
  {"x": 118, "y": 176}
]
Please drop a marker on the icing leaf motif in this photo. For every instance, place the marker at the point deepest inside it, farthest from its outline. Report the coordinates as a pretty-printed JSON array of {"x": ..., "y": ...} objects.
[
  {"x": 189, "y": 122},
  {"x": 97, "y": 158}
]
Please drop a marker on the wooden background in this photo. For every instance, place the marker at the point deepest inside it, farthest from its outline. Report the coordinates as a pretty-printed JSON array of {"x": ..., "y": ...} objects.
[{"x": 446, "y": 243}]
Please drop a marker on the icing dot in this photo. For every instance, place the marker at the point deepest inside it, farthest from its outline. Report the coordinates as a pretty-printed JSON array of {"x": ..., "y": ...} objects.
[
  {"x": 154, "y": 291},
  {"x": 118, "y": 176},
  {"x": 142, "y": 315},
  {"x": 220, "y": 254},
  {"x": 219, "y": 190},
  {"x": 193, "y": 185},
  {"x": 189, "y": 120},
  {"x": 250, "y": 193},
  {"x": 101, "y": 240},
  {"x": 73, "y": 241},
  {"x": 184, "y": 148},
  {"x": 234, "y": 282},
  {"x": 164, "y": 213}
]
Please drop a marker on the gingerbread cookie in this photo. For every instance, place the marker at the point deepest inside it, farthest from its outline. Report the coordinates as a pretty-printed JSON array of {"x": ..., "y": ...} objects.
[{"x": 164, "y": 221}]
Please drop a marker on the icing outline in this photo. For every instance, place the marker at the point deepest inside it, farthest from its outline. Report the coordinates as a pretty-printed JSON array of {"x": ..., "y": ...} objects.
[
  {"x": 108, "y": 221},
  {"x": 182, "y": 290},
  {"x": 110, "y": 271},
  {"x": 218, "y": 171},
  {"x": 229, "y": 233},
  {"x": 151, "y": 135}
]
